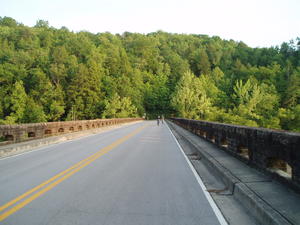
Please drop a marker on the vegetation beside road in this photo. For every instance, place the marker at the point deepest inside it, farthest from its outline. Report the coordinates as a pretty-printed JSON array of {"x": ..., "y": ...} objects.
[{"x": 49, "y": 74}]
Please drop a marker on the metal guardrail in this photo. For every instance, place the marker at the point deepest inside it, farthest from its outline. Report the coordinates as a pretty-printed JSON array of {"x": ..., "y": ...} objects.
[{"x": 273, "y": 151}]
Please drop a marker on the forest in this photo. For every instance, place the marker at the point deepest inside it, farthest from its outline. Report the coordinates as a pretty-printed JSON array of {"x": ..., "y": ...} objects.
[{"x": 50, "y": 74}]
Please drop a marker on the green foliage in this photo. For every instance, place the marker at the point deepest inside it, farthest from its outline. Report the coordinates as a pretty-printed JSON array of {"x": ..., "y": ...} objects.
[
  {"x": 7, "y": 21},
  {"x": 156, "y": 94},
  {"x": 255, "y": 102},
  {"x": 117, "y": 107},
  {"x": 190, "y": 98},
  {"x": 200, "y": 62},
  {"x": 292, "y": 96},
  {"x": 290, "y": 118},
  {"x": 17, "y": 104},
  {"x": 49, "y": 74},
  {"x": 33, "y": 112},
  {"x": 42, "y": 24},
  {"x": 84, "y": 93}
]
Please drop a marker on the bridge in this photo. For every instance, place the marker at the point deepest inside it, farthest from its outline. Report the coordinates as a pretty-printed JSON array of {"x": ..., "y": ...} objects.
[{"x": 181, "y": 172}]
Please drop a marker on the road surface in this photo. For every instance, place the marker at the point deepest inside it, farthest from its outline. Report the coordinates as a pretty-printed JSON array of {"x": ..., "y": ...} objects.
[{"x": 133, "y": 175}]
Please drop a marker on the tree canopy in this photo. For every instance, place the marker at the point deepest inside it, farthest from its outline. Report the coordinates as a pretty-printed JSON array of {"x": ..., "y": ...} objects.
[{"x": 49, "y": 74}]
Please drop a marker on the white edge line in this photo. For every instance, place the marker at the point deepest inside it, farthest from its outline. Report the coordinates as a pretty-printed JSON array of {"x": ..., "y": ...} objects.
[
  {"x": 213, "y": 205},
  {"x": 35, "y": 149}
]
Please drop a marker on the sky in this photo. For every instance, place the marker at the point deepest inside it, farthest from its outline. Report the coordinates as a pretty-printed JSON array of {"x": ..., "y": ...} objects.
[{"x": 258, "y": 23}]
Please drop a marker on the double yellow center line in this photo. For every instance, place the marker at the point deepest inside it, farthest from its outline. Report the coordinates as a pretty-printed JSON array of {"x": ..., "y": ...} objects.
[{"x": 42, "y": 188}]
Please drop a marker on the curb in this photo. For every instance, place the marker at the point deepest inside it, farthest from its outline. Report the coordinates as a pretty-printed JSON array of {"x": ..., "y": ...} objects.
[
  {"x": 15, "y": 149},
  {"x": 261, "y": 210}
]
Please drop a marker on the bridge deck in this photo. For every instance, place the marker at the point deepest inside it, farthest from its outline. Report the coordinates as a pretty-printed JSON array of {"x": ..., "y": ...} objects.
[{"x": 135, "y": 175}]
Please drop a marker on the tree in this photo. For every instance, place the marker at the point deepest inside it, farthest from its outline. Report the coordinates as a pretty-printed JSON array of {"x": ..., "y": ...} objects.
[
  {"x": 292, "y": 96},
  {"x": 84, "y": 94},
  {"x": 42, "y": 24},
  {"x": 33, "y": 112},
  {"x": 189, "y": 99},
  {"x": 17, "y": 102},
  {"x": 217, "y": 75},
  {"x": 8, "y": 21},
  {"x": 156, "y": 94},
  {"x": 46, "y": 94},
  {"x": 200, "y": 62},
  {"x": 256, "y": 103},
  {"x": 214, "y": 51},
  {"x": 117, "y": 107},
  {"x": 290, "y": 118}
]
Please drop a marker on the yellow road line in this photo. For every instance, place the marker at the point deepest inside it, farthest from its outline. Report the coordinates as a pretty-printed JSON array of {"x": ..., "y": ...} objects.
[
  {"x": 43, "y": 184},
  {"x": 46, "y": 182},
  {"x": 67, "y": 173}
]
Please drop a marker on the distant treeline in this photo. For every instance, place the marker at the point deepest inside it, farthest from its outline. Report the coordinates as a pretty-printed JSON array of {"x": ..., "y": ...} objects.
[{"x": 49, "y": 74}]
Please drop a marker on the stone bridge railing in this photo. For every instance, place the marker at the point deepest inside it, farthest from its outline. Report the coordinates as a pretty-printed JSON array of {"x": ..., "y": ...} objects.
[
  {"x": 273, "y": 151},
  {"x": 22, "y": 132}
]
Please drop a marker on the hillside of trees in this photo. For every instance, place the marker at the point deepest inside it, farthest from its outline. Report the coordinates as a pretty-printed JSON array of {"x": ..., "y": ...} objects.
[{"x": 49, "y": 74}]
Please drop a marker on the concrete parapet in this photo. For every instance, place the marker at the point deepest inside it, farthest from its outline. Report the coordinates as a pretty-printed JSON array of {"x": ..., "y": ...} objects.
[
  {"x": 26, "y": 132},
  {"x": 274, "y": 152}
]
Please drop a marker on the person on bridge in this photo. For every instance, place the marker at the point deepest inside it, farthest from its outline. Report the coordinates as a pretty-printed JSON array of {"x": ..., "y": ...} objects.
[{"x": 162, "y": 119}]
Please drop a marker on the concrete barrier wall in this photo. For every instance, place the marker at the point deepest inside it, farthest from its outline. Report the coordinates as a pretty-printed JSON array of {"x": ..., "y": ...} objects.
[
  {"x": 273, "y": 151},
  {"x": 24, "y": 132}
]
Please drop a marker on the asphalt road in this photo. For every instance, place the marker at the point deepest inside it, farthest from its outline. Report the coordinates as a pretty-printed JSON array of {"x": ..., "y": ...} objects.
[{"x": 133, "y": 175}]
